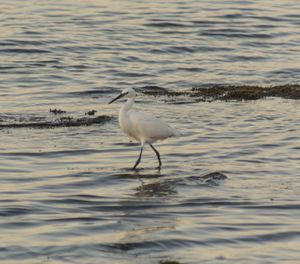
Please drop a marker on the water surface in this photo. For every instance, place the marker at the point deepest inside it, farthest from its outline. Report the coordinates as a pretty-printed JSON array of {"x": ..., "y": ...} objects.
[{"x": 228, "y": 190}]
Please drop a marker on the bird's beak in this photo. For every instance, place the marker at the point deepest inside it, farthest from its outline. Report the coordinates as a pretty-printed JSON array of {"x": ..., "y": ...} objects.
[{"x": 118, "y": 97}]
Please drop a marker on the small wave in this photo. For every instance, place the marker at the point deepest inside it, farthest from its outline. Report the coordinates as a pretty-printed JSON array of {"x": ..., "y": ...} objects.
[
  {"x": 7, "y": 67},
  {"x": 151, "y": 88},
  {"x": 74, "y": 219},
  {"x": 14, "y": 211},
  {"x": 19, "y": 50},
  {"x": 231, "y": 16},
  {"x": 191, "y": 69},
  {"x": 50, "y": 153},
  {"x": 182, "y": 49},
  {"x": 17, "y": 42},
  {"x": 223, "y": 33},
  {"x": 92, "y": 93},
  {"x": 132, "y": 74},
  {"x": 166, "y": 25},
  {"x": 247, "y": 58},
  {"x": 269, "y": 18},
  {"x": 207, "y": 22},
  {"x": 159, "y": 245},
  {"x": 276, "y": 207},
  {"x": 273, "y": 237}
]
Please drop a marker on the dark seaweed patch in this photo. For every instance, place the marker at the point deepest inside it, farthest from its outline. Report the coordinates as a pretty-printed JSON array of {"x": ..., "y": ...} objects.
[
  {"x": 247, "y": 92},
  {"x": 19, "y": 50},
  {"x": 231, "y": 92},
  {"x": 61, "y": 122}
]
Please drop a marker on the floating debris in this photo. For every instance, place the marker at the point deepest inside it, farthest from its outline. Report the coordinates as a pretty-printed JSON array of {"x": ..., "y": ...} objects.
[
  {"x": 57, "y": 111},
  {"x": 61, "y": 122},
  {"x": 91, "y": 113}
]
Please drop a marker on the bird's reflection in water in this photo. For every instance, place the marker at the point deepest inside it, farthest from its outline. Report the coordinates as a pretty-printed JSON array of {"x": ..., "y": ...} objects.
[
  {"x": 141, "y": 209},
  {"x": 155, "y": 189},
  {"x": 148, "y": 214}
]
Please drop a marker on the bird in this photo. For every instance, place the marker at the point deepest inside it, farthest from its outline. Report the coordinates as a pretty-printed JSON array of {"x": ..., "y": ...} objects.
[{"x": 142, "y": 126}]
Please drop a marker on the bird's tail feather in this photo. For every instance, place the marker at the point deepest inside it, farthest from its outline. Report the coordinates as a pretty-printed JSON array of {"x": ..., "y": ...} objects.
[{"x": 177, "y": 133}]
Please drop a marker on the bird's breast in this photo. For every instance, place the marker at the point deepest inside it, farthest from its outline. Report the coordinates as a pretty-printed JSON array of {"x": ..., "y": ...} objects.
[{"x": 128, "y": 127}]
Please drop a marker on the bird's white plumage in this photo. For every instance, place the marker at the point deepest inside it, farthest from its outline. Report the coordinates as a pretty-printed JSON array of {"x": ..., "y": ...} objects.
[
  {"x": 141, "y": 126},
  {"x": 144, "y": 127}
]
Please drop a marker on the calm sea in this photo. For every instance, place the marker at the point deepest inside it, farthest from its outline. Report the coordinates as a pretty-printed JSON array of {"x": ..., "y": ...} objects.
[{"x": 228, "y": 190}]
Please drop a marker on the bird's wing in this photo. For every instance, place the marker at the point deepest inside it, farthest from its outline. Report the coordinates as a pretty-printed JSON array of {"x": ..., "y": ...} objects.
[{"x": 148, "y": 128}]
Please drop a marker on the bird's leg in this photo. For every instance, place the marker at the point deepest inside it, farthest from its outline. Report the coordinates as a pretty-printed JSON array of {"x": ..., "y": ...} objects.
[
  {"x": 157, "y": 154},
  {"x": 139, "y": 159}
]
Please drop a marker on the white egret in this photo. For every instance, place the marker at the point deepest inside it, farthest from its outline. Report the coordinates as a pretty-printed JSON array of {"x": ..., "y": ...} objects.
[{"x": 143, "y": 127}]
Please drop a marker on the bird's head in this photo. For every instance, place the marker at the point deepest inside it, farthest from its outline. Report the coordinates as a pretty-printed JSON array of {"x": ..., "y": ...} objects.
[{"x": 126, "y": 93}]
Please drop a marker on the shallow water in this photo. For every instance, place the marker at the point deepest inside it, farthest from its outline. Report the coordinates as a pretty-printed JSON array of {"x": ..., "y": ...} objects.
[{"x": 228, "y": 190}]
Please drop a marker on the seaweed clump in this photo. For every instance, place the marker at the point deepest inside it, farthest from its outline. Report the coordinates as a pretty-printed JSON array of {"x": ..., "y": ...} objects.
[
  {"x": 229, "y": 92},
  {"x": 61, "y": 122},
  {"x": 246, "y": 92}
]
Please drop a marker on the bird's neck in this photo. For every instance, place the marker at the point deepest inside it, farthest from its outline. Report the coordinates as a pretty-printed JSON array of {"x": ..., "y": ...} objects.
[{"x": 127, "y": 106}]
